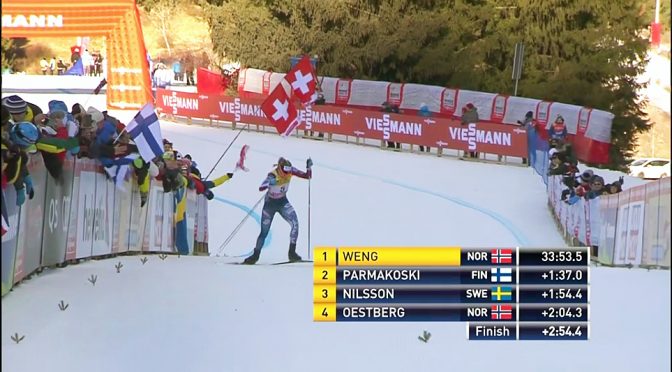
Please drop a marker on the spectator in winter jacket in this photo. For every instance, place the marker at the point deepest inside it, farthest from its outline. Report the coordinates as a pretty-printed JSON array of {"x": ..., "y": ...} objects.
[
  {"x": 596, "y": 188},
  {"x": 530, "y": 127},
  {"x": 15, "y": 160},
  {"x": 558, "y": 130},
  {"x": 387, "y": 107},
  {"x": 425, "y": 113},
  {"x": 558, "y": 165},
  {"x": 584, "y": 182},
  {"x": 470, "y": 116},
  {"x": 615, "y": 187},
  {"x": 21, "y": 110}
]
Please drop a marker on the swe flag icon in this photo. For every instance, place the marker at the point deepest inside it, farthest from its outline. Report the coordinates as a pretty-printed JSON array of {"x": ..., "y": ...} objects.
[
  {"x": 501, "y": 256},
  {"x": 500, "y": 293},
  {"x": 501, "y": 275},
  {"x": 501, "y": 312}
]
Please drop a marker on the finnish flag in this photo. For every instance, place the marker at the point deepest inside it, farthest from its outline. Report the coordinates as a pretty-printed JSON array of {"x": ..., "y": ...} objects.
[
  {"x": 501, "y": 275},
  {"x": 145, "y": 130}
]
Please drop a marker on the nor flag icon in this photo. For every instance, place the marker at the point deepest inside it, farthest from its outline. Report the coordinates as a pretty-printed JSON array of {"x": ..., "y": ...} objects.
[
  {"x": 501, "y": 312},
  {"x": 501, "y": 274},
  {"x": 501, "y": 256}
]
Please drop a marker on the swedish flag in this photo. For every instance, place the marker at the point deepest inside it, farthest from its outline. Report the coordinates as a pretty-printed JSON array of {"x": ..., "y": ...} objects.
[
  {"x": 181, "y": 239},
  {"x": 500, "y": 293}
]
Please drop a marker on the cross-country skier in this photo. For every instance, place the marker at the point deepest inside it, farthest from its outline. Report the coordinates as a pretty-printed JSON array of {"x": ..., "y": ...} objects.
[{"x": 277, "y": 184}]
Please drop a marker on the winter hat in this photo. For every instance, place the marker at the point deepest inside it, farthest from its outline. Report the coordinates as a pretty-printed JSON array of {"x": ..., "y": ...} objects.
[
  {"x": 587, "y": 175},
  {"x": 529, "y": 114},
  {"x": 78, "y": 109},
  {"x": 598, "y": 179},
  {"x": 470, "y": 106},
  {"x": 55, "y": 105},
  {"x": 96, "y": 115},
  {"x": 552, "y": 152},
  {"x": 15, "y": 104},
  {"x": 559, "y": 119}
]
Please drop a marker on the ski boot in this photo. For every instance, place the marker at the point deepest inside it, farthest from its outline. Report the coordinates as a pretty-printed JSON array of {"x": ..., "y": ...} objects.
[
  {"x": 253, "y": 258},
  {"x": 292, "y": 256}
]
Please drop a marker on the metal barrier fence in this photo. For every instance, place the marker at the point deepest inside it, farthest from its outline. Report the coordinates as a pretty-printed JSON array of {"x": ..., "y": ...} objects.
[{"x": 84, "y": 215}]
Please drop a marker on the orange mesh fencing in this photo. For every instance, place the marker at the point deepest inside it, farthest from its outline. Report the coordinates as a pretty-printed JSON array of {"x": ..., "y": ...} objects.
[{"x": 129, "y": 86}]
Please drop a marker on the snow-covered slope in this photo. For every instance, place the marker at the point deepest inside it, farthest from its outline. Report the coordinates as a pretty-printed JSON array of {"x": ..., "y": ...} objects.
[{"x": 202, "y": 314}]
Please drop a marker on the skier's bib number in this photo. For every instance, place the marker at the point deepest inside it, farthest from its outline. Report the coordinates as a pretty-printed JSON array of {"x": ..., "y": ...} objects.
[{"x": 278, "y": 191}]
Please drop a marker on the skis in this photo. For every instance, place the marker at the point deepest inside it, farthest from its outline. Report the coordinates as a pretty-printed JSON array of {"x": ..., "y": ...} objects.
[
  {"x": 271, "y": 263},
  {"x": 291, "y": 262}
]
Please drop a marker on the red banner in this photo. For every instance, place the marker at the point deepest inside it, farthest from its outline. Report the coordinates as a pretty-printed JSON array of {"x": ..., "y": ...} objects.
[{"x": 492, "y": 138}]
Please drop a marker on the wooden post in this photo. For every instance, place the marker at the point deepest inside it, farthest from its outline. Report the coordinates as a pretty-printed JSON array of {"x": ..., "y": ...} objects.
[
  {"x": 439, "y": 152},
  {"x": 329, "y": 137}
]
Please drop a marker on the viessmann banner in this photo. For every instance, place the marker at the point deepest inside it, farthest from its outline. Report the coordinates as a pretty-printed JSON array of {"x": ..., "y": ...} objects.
[{"x": 500, "y": 139}]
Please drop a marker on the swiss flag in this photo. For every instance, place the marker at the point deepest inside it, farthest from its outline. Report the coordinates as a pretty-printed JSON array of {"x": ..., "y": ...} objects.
[
  {"x": 280, "y": 111},
  {"x": 302, "y": 80}
]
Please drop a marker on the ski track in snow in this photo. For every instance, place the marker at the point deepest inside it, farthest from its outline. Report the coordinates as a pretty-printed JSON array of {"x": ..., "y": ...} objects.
[{"x": 198, "y": 314}]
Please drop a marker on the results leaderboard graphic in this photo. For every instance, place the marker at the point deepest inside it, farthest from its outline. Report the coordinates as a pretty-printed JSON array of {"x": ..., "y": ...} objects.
[{"x": 503, "y": 293}]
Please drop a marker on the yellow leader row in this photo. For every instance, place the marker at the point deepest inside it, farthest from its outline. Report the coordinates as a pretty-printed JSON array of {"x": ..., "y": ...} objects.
[{"x": 387, "y": 256}]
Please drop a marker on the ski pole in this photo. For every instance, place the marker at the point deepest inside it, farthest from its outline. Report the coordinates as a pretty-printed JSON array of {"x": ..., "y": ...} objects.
[
  {"x": 309, "y": 247},
  {"x": 227, "y": 149},
  {"x": 235, "y": 231}
]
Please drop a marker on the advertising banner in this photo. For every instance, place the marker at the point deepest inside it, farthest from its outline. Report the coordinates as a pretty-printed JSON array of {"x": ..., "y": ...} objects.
[
  {"x": 635, "y": 226},
  {"x": 9, "y": 239},
  {"x": 167, "y": 225},
  {"x": 192, "y": 211},
  {"x": 57, "y": 207},
  {"x": 71, "y": 248},
  {"x": 608, "y": 225},
  {"x": 155, "y": 219},
  {"x": 665, "y": 220},
  {"x": 122, "y": 217},
  {"x": 29, "y": 252},
  {"x": 656, "y": 243},
  {"x": 138, "y": 224},
  {"x": 493, "y": 138},
  {"x": 86, "y": 211},
  {"x": 103, "y": 207}
]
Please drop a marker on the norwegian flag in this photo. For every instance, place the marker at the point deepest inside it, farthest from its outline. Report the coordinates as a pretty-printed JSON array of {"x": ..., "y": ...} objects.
[
  {"x": 302, "y": 80},
  {"x": 241, "y": 161},
  {"x": 501, "y": 312},
  {"x": 501, "y": 256},
  {"x": 280, "y": 111}
]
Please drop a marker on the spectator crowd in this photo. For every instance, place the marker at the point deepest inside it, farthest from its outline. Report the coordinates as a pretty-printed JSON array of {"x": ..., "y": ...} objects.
[
  {"x": 62, "y": 132},
  {"x": 563, "y": 162}
]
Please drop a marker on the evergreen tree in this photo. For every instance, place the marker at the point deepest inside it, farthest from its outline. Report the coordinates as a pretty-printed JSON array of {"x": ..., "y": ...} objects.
[{"x": 583, "y": 52}]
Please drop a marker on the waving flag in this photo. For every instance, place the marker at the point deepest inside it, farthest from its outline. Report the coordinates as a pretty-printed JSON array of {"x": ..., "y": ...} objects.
[
  {"x": 180, "y": 207},
  {"x": 145, "y": 130},
  {"x": 280, "y": 111},
  {"x": 119, "y": 169},
  {"x": 100, "y": 86},
  {"x": 302, "y": 80},
  {"x": 241, "y": 161}
]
